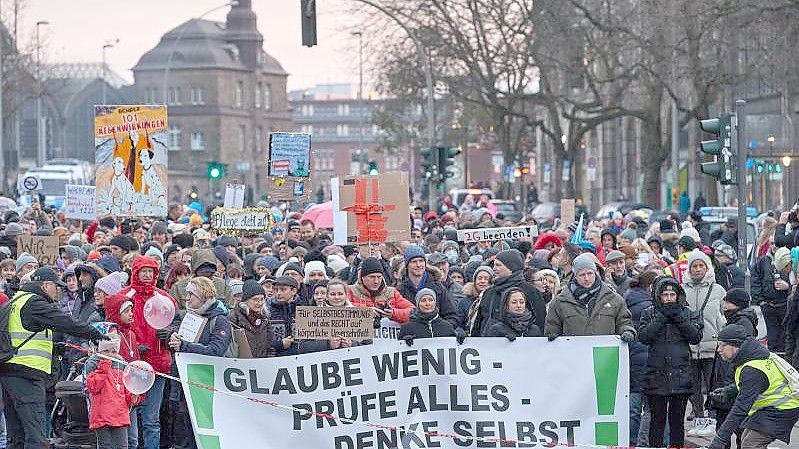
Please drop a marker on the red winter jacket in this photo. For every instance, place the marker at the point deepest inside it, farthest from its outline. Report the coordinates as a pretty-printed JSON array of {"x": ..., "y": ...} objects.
[
  {"x": 401, "y": 308},
  {"x": 129, "y": 344},
  {"x": 158, "y": 355},
  {"x": 110, "y": 400}
]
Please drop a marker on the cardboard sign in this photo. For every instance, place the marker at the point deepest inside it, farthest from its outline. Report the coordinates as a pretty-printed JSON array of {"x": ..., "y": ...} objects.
[
  {"x": 376, "y": 208},
  {"x": 191, "y": 328},
  {"x": 79, "y": 202},
  {"x": 131, "y": 159},
  {"x": 234, "y": 196},
  {"x": 251, "y": 219},
  {"x": 288, "y": 189},
  {"x": 324, "y": 323},
  {"x": 484, "y": 234},
  {"x": 567, "y": 211},
  {"x": 289, "y": 167},
  {"x": 43, "y": 248}
]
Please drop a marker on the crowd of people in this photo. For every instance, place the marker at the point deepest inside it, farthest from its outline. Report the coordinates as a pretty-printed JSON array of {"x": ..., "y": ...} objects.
[{"x": 670, "y": 289}]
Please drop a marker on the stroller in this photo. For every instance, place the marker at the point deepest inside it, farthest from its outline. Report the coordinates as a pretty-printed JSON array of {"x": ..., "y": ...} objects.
[{"x": 70, "y": 416}]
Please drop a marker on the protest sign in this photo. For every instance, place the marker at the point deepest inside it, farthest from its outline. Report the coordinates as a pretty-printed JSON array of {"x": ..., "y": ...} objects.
[
  {"x": 234, "y": 220},
  {"x": 42, "y": 248},
  {"x": 484, "y": 234},
  {"x": 234, "y": 196},
  {"x": 289, "y": 166},
  {"x": 376, "y": 208},
  {"x": 567, "y": 211},
  {"x": 79, "y": 202},
  {"x": 131, "y": 159},
  {"x": 434, "y": 394},
  {"x": 324, "y": 323},
  {"x": 387, "y": 332},
  {"x": 191, "y": 327}
]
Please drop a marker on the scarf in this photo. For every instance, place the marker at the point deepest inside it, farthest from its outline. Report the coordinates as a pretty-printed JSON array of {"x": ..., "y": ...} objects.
[
  {"x": 203, "y": 309},
  {"x": 424, "y": 317},
  {"x": 507, "y": 280},
  {"x": 584, "y": 295},
  {"x": 519, "y": 322},
  {"x": 618, "y": 280}
]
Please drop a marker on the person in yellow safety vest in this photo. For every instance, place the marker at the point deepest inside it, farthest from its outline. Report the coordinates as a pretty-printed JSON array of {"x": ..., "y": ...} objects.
[
  {"x": 34, "y": 315},
  {"x": 764, "y": 407},
  {"x": 685, "y": 245}
]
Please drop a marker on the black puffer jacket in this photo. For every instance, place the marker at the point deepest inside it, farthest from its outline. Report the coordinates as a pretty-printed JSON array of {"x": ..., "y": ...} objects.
[
  {"x": 420, "y": 327},
  {"x": 763, "y": 290},
  {"x": 637, "y": 300},
  {"x": 502, "y": 327},
  {"x": 491, "y": 303},
  {"x": 669, "y": 359}
]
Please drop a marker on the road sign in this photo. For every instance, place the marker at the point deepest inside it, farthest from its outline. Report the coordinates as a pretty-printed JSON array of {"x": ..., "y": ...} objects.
[{"x": 28, "y": 183}]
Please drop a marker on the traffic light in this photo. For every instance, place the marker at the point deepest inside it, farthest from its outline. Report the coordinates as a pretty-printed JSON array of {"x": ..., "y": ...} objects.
[
  {"x": 308, "y": 14},
  {"x": 216, "y": 170},
  {"x": 721, "y": 148},
  {"x": 446, "y": 159},
  {"x": 373, "y": 168},
  {"x": 194, "y": 193},
  {"x": 429, "y": 163}
]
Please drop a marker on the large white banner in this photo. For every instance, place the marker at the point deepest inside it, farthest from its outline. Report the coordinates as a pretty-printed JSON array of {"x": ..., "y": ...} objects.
[{"x": 488, "y": 392}]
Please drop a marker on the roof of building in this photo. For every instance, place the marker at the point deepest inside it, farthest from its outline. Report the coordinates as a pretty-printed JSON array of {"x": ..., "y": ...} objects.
[{"x": 197, "y": 44}]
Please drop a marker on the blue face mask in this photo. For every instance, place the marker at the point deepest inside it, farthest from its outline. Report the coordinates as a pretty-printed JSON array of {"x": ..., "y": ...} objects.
[{"x": 452, "y": 256}]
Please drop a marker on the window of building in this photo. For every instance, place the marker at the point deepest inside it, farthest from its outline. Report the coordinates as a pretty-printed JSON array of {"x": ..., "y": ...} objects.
[
  {"x": 343, "y": 109},
  {"x": 342, "y": 130},
  {"x": 268, "y": 98},
  {"x": 197, "y": 96},
  {"x": 238, "y": 98},
  {"x": 257, "y": 96},
  {"x": 242, "y": 138},
  {"x": 174, "y": 137},
  {"x": 307, "y": 129},
  {"x": 258, "y": 139},
  {"x": 173, "y": 95},
  {"x": 197, "y": 141},
  {"x": 306, "y": 110},
  {"x": 151, "y": 95}
]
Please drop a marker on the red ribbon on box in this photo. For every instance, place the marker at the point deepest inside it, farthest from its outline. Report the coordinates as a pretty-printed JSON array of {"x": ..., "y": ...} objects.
[{"x": 370, "y": 220}]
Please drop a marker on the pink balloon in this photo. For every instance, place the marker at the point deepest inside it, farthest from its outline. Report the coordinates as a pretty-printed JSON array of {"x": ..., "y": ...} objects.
[
  {"x": 159, "y": 311},
  {"x": 138, "y": 377}
]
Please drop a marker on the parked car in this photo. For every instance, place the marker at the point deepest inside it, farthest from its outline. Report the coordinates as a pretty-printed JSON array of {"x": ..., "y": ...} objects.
[
  {"x": 726, "y": 212},
  {"x": 459, "y": 195},
  {"x": 545, "y": 214},
  {"x": 508, "y": 209}
]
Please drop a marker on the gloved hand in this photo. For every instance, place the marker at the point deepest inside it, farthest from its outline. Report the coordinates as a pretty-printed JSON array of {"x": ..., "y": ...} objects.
[
  {"x": 59, "y": 347},
  {"x": 627, "y": 336},
  {"x": 552, "y": 337},
  {"x": 671, "y": 311},
  {"x": 510, "y": 337},
  {"x": 408, "y": 339},
  {"x": 460, "y": 336},
  {"x": 163, "y": 334},
  {"x": 143, "y": 349}
]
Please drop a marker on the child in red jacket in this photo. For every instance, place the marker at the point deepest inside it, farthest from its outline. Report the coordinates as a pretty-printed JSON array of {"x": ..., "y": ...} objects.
[{"x": 109, "y": 400}]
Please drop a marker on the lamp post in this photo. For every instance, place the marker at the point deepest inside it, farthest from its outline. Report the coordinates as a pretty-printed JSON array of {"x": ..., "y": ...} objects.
[
  {"x": 177, "y": 41},
  {"x": 40, "y": 151},
  {"x": 105, "y": 70},
  {"x": 364, "y": 151}
]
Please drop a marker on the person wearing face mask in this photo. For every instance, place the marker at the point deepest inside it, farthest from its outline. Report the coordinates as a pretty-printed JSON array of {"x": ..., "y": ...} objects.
[
  {"x": 425, "y": 321},
  {"x": 515, "y": 319},
  {"x": 704, "y": 298},
  {"x": 668, "y": 327},
  {"x": 251, "y": 315}
]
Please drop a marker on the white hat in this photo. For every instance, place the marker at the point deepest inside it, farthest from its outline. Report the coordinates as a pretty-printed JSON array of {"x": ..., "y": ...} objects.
[{"x": 691, "y": 232}]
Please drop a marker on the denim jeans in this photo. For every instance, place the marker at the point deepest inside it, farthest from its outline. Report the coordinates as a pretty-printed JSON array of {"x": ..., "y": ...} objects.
[
  {"x": 636, "y": 408},
  {"x": 2, "y": 430},
  {"x": 133, "y": 430},
  {"x": 149, "y": 410}
]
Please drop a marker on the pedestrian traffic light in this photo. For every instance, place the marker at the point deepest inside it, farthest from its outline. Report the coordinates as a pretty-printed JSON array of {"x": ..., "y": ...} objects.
[
  {"x": 216, "y": 170},
  {"x": 720, "y": 148},
  {"x": 194, "y": 193},
  {"x": 308, "y": 14},
  {"x": 429, "y": 163},
  {"x": 446, "y": 159},
  {"x": 373, "y": 168}
]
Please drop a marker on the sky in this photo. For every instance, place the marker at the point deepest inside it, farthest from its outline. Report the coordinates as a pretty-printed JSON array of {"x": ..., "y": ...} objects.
[{"x": 78, "y": 29}]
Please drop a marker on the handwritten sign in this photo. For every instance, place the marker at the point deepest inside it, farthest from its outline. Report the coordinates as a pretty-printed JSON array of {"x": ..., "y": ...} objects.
[
  {"x": 251, "y": 219},
  {"x": 485, "y": 234},
  {"x": 289, "y": 154},
  {"x": 234, "y": 195},
  {"x": 324, "y": 323},
  {"x": 79, "y": 202},
  {"x": 191, "y": 327},
  {"x": 43, "y": 248}
]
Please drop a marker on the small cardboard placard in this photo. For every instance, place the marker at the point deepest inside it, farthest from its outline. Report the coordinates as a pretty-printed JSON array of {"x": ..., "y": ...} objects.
[
  {"x": 376, "y": 208},
  {"x": 489, "y": 234},
  {"x": 248, "y": 219},
  {"x": 191, "y": 328},
  {"x": 43, "y": 248},
  {"x": 234, "y": 196},
  {"x": 567, "y": 211},
  {"x": 79, "y": 202},
  {"x": 324, "y": 323}
]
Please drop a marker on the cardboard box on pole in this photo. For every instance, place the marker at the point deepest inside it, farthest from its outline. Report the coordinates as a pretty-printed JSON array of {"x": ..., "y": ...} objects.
[{"x": 376, "y": 208}]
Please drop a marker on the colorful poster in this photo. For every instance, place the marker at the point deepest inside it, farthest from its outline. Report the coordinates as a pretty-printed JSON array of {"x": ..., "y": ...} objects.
[
  {"x": 289, "y": 154},
  {"x": 131, "y": 157}
]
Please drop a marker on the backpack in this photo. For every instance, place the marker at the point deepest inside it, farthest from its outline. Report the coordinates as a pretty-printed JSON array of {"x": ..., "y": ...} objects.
[
  {"x": 8, "y": 350},
  {"x": 790, "y": 373}
]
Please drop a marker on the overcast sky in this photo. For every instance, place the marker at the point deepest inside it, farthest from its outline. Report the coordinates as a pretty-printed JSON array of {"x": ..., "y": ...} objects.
[{"x": 79, "y": 28}]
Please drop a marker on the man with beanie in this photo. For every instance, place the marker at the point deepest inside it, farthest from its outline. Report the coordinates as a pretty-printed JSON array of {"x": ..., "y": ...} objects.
[
  {"x": 251, "y": 316},
  {"x": 508, "y": 273},
  {"x": 372, "y": 291},
  {"x": 9, "y": 239},
  {"x": 588, "y": 306},
  {"x": 418, "y": 274},
  {"x": 33, "y": 315},
  {"x": 25, "y": 264},
  {"x": 617, "y": 272},
  {"x": 763, "y": 403},
  {"x": 771, "y": 285}
]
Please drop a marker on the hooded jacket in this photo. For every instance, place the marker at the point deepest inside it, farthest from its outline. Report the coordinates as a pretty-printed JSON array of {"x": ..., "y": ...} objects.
[
  {"x": 202, "y": 257},
  {"x": 128, "y": 345},
  {"x": 695, "y": 294},
  {"x": 158, "y": 355},
  {"x": 215, "y": 337},
  {"x": 568, "y": 316},
  {"x": 668, "y": 331},
  {"x": 502, "y": 328},
  {"x": 259, "y": 333},
  {"x": 401, "y": 308},
  {"x": 491, "y": 302},
  {"x": 434, "y": 280},
  {"x": 110, "y": 400},
  {"x": 763, "y": 290},
  {"x": 421, "y": 325}
]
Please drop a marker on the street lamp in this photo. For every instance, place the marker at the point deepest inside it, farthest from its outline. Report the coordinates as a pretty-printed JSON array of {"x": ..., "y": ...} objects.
[
  {"x": 40, "y": 155},
  {"x": 107, "y": 45},
  {"x": 180, "y": 36},
  {"x": 360, "y": 96}
]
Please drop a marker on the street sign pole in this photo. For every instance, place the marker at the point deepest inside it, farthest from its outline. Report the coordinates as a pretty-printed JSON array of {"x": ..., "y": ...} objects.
[{"x": 741, "y": 154}]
